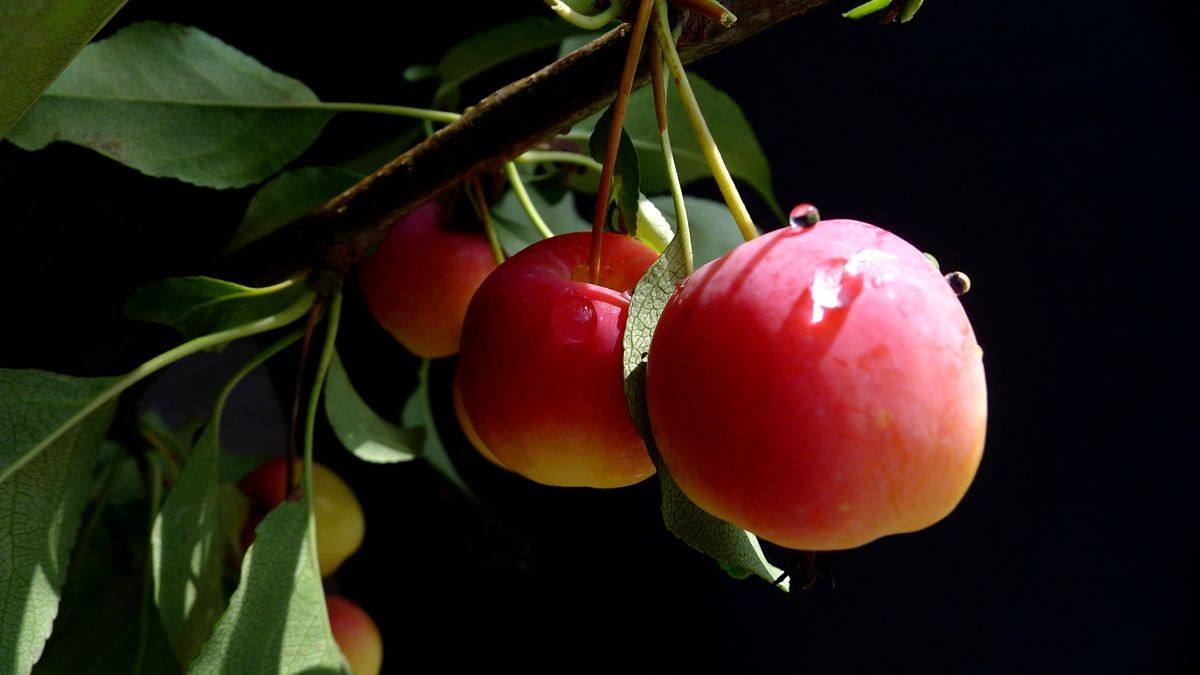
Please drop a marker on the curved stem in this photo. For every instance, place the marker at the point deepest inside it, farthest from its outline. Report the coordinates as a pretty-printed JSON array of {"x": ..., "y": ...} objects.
[
  {"x": 277, "y": 320},
  {"x": 586, "y": 21},
  {"x": 382, "y": 109},
  {"x": 256, "y": 361},
  {"x": 479, "y": 201},
  {"x": 518, "y": 188},
  {"x": 560, "y": 156},
  {"x": 683, "y": 229},
  {"x": 314, "y": 396},
  {"x": 708, "y": 146},
  {"x": 636, "y": 38}
]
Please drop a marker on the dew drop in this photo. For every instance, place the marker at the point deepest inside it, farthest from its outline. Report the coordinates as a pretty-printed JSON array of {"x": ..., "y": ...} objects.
[
  {"x": 933, "y": 261},
  {"x": 959, "y": 282},
  {"x": 573, "y": 319},
  {"x": 804, "y": 216}
]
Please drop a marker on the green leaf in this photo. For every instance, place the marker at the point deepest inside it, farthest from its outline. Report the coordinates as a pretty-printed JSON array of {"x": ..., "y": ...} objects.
[
  {"x": 364, "y": 433},
  {"x": 202, "y": 305},
  {"x": 174, "y": 101},
  {"x": 418, "y": 413},
  {"x": 288, "y": 196},
  {"x": 714, "y": 233},
  {"x": 731, "y": 546},
  {"x": 732, "y": 131},
  {"x": 574, "y": 42},
  {"x": 492, "y": 47},
  {"x": 910, "y": 10},
  {"x": 652, "y": 226},
  {"x": 38, "y": 38},
  {"x": 516, "y": 231},
  {"x": 42, "y": 497},
  {"x": 626, "y": 173},
  {"x": 867, "y": 9},
  {"x": 276, "y": 621}
]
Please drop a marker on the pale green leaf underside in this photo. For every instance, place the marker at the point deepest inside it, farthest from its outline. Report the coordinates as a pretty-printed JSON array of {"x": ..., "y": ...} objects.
[
  {"x": 41, "y": 503},
  {"x": 38, "y": 38},
  {"x": 364, "y": 433},
  {"x": 174, "y": 101},
  {"x": 287, "y": 197},
  {"x": 201, "y": 305},
  {"x": 276, "y": 621},
  {"x": 728, "y": 544}
]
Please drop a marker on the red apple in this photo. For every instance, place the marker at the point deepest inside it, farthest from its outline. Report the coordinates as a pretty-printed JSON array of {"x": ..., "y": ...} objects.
[
  {"x": 418, "y": 283},
  {"x": 339, "y": 516},
  {"x": 541, "y": 363},
  {"x": 469, "y": 429},
  {"x": 356, "y": 635},
  {"x": 820, "y": 387}
]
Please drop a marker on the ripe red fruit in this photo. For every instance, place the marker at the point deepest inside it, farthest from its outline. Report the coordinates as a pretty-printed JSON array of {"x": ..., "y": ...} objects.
[
  {"x": 418, "y": 283},
  {"x": 339, "y": 516},
  {"x": 356, "y": 635},
  {"x": 820, "y": 387},
  {"x": 541, "y": 363},
  {"x": 468, "y": 428}
]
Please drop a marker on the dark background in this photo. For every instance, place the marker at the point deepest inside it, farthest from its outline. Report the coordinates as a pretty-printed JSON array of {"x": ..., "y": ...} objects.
[{"x": 1047, "y": 149}]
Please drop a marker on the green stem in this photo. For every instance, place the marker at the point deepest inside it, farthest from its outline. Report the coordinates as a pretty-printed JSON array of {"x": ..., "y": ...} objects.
[
  {"x": 282, "y": 318},
  {"x": 708, "y": 145},
  {"x": 258, "y": 359},
  {"x": 479, "y": 201},
  {"x": 314, "y": 396},
  {"x": 518, "y": 188},
  {"x": 658, "y": 82},
  {"x": 586, "y": 21},
  {"x": 560, "y": 156}
]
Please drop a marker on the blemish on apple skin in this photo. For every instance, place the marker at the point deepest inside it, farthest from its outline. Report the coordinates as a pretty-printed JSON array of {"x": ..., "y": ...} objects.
[{"x": 573, "y": 319}]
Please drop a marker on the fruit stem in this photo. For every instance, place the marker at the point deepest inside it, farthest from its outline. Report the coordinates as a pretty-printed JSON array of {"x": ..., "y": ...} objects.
[
  {"x": 382, "y": 109},
  {"x": 479, "y": 202},
  {"x": 314, "y": 396},
  {"x": 560, "y": 156},
  {"x": 636, "y": 38},
  {"x": 586, "y": 21},
  {"x": 310, "y": 327},
  {"x": 662, "y": 30},
  {"x": 202, "y": 343},
  {"x": 518, "y": 188},
  {"x": 658, "y": 83},
  {"x": 711, "y": 9}
]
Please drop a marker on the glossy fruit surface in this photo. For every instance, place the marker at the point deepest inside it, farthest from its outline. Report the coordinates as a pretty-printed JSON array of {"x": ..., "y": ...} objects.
[
  {"x": 356, "y": 635},
  {"x": 468, "y": 428},
  {"x": 541, "y": 363},
  {"x": 339, "y": 516},
  {"x": 820, "y": 387},
  {"x": 419, "y": 281}
]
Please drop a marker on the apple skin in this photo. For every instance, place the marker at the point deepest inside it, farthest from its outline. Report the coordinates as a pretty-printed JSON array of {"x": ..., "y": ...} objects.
[
  {"x": 339, "y": 516},
  {"x": 820, "y": 387},
  {"x": 540, "y": 368},
  {"x": 419, "y": 281},
  {"x": 356, "y": 635},
  {"x": 469, "y": 429}
]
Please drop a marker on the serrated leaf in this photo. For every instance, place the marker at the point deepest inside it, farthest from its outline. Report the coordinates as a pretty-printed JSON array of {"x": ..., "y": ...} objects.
[
  {"x": 418, "y": 413},
  {"x": 492, "y": 47},
  {"x": 288, "y": 196},
  {"x": 42, "y": 497},
  {"x": 626, "y": 184},
  {"x": 187, "y": 555},
  {"x": 176, "y": 102},
  {"x": 276, "y": 621},
  {"x": 364, "y": 433},
  {"x": 731, "y": 546},
  {"x": 516, "y": 231},
  {"x": 201, "y": 305},
  {"x": 38, "y": 38},
  {"x": 739, "y": 146},
  {"x": 714, "y": 232}
]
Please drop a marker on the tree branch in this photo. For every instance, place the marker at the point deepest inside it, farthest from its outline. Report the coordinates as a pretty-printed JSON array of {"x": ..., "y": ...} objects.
[{"x": 498, "y": 128}]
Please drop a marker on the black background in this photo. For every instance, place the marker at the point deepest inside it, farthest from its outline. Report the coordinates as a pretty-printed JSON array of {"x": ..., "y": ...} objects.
[{"x": 1047, "y": 149}]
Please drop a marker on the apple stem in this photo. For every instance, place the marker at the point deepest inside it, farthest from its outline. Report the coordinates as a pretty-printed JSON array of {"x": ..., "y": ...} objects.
[
  {"x": 708, "y": 145},
  {"x": 479, "y": 203},
  {"x": 560, "y": 156},
  {"x": 620, "y": 104},
  {"x": 658, "y": 83},
  {"x": 310, "y": 327},
  {"x": 711, "y": 9},
  {"x": 518, "y": 188},
  {"x": 314, "y": 395},
  {"x": 586, "y": 21}
]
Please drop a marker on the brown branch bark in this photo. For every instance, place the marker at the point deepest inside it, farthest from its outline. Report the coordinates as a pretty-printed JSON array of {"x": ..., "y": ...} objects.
[{"x": 498, "y": 128}]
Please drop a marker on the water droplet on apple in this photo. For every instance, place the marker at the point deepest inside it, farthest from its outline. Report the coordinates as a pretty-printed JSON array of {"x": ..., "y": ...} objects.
[
  {"x": 959, "y": 283},
  {"x": 573, "y": 319},
  {"x": 804, "y": 216}
]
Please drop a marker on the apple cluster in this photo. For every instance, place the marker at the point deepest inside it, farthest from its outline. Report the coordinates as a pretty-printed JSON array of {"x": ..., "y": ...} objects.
[{"x": 819, "y": 386}]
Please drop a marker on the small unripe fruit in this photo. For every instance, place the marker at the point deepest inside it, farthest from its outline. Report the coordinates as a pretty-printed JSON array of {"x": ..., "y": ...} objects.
[
  {"x": 339, "y": 516},
  {"x": 356, "y": 635},
  {"x": 541, "y": 363},
  {"x": 469, "y": 429},
  {"x": 819, "y": 386},
  {"x": 419, "y": 282}
]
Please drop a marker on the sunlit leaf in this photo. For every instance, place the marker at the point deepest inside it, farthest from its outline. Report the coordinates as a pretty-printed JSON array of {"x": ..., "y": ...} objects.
[
  {"x": 364, "y": 433},
  {"x": 201, "y": 305}
]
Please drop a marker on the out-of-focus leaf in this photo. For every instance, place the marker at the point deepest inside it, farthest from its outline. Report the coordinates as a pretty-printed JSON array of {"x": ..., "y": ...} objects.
[
  {"x": 494, "y": 46},
  {"x": 288, "y": 196}
]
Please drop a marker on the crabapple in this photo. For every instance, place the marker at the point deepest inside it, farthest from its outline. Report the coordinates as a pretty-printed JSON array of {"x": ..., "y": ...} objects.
[
  {"x": 418, "y": 283},
  {"x": 540, "y": 368},
  {"x": 340, "y": 524},
  {"x": 819, "y": 386},
  {"x": 469, "y": 429},
  {"x": 356, "y": 635}
]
